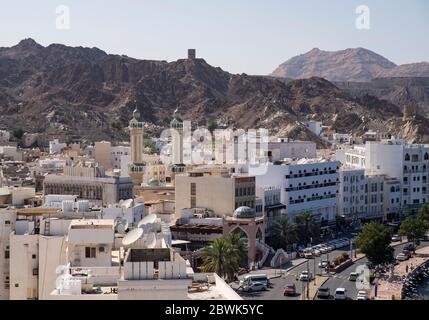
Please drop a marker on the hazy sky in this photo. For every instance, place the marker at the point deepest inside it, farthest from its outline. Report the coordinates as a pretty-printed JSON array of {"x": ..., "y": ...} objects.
[{"x": 238, "y": 35}]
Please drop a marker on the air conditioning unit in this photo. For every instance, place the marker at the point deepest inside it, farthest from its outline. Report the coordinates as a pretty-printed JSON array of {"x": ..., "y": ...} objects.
[{"x": 102, "y": 249}]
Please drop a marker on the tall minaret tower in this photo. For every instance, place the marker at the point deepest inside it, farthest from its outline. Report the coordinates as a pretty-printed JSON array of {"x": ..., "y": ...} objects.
[
  {"x": 177, "y": 165},
  {"x": 137, "y": 165}
]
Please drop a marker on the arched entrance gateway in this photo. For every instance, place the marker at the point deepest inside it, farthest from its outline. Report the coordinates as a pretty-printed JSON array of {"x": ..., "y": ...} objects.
[{"x": 250, "y": 226}]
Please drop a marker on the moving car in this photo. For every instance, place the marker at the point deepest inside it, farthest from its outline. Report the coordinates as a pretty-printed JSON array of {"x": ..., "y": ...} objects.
[
  {"x": 290, "y": 290},
  {"x": 323, "y": 263},
  {"x": 304, "y": 276},
  {"x": 324, "y": 292},
  {"x": 255, "y": 286},
  {"x": 353, "y": 276},
  {"x": 402, "y": 257},
  {"x": 409, "y": 247},
  {"x": 340, "y": 294},
  {"x": 362, "y": 295}
]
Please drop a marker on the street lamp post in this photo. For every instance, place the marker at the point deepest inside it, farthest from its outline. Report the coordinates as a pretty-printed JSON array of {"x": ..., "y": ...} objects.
[{"x": 308, "y": 280}]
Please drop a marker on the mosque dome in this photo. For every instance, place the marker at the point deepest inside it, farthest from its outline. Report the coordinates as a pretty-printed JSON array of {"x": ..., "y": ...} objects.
[
  {"x": 244, "y": 212},
  {"x": 153, "y": 182}
]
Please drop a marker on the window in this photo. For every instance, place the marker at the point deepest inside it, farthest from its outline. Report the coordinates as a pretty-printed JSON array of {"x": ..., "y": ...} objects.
[
  {"x": 35, "y": 271},
  {"x": 89, "y": 252},
  {"x": 33, "y": 256},
  {"x": 7, "y": 222},
  {"x": 6, "y": 254}
]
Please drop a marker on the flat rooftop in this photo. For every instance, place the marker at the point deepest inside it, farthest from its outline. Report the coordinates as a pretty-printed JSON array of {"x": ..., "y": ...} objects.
[{"x": 92, "y": 224}]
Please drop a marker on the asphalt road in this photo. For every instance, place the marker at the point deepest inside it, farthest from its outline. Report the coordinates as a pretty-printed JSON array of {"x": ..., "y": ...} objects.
[
  {"x": 339, "y": 280},
  {"x": 291, "y": 277}
]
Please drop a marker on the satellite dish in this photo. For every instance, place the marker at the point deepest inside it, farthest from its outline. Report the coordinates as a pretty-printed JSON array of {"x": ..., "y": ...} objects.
[
  {"x": 132, "y": 236},
  {"x": 151, "y": 218},
  {"x": 151, "y": 240}
]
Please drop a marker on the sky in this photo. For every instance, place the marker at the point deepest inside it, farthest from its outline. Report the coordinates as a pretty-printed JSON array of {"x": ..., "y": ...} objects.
[{"x": 240, "y": 36}]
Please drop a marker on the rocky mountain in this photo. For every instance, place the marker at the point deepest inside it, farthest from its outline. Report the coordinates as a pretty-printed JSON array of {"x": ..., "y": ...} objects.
[
  {"x": 85, "y": 94},
  {"x": 357, "y": 64},
  {"x": 399, "y": 91}
]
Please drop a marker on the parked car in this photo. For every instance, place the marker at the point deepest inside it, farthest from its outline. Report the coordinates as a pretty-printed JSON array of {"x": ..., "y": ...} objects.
[
  {"x": 316, "y": 253},
  {"x": 353, "y": 276},
  {"x": 396, "y": 238},
  {"x": 324, "y": 249},
  {"x": 340, "y": 294},
  {"x": 255, "y": 286},
  {"x": 409, "y": 247},
  {"x": 290, "y": 290},
  {"x": 305, "y": 276},
  {"x": 324, "y": 292},
  {"x": 362, "y": 295},
  {"x": 308, "y": 253},
  {"x": 323, "y": 263},
  {"x": 402, "y": 257}
]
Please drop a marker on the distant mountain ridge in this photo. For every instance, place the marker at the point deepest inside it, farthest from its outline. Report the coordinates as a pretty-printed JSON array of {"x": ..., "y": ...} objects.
[
  {"x": 353, "y": 64},
  {"x": 86, "y": 94}
]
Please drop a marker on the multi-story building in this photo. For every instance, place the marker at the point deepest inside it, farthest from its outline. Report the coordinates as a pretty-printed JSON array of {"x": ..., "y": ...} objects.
[
  {"x": 215, "y": 189},
  {"x": 306, "y": 185},
  {"x": 395, "y": 159},
  {"x": 89, "y": 181}
]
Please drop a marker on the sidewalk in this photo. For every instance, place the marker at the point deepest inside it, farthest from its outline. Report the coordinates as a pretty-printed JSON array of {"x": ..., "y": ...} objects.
[
  {"x": 391, "y": 287},
  {"x": 277, "y": 272}
]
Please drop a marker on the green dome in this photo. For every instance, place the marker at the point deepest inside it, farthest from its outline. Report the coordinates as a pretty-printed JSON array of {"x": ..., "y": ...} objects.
[
  {"x": 153, "y": 182},
  {"x": 244, "y": 212}
]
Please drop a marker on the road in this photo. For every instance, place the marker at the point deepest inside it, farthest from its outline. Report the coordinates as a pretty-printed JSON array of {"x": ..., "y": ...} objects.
[
  {"x": 339, "y": 280},
  {"x": 291, "y": 277}
]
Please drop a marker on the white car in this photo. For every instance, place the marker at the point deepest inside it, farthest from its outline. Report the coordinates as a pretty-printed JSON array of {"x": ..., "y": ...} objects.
[
  {"x": 362, "y": 296},
  {"x": 316, "y": 253},
  {"x": 304, "y": 276},
  {"x": 402, "y": 257},
  {"x": 396, "y": 238},
  {"x": 255, "y": 286},
  {"x": 340, "y": 294}
]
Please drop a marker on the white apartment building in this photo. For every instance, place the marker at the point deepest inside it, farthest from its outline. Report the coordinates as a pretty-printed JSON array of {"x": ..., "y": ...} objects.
[
  {"x": 119, "y": 153},
  {"x": 306, "y": 185},
  {"x": 56, "y": 147},
  {"x": 4, "y": 136},
  {"x": 395, "y": 159},
  {"x": 365, "y": 196},
  {"x": 314, "y": 126}
]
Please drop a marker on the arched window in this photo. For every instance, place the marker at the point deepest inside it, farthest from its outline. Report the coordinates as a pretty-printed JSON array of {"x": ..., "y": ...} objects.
[
  {"x": 392, "y": 189},
  {"x": 426, "y": 156},
  {"x": 407, "y": 157}
]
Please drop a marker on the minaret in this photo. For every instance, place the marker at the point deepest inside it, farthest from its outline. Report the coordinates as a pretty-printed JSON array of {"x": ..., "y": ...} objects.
[
  {"x": 137, "y": 165},
  {"x": 177, "y": 165},
  {"x": 177, "y": 139}
]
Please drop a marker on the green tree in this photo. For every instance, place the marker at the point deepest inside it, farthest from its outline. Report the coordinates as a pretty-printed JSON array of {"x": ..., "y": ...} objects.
[
  {"x": 224, "y": 256},
  {"x": 413, "y": 229},
  {"x": 211, "y": 125},
  {"x": 374, "y": 242},
  {"x": 306, "y": 228},
  {"x": 18, "y": 133},
  {"x": 282, "y": 233},
  {"x": 424, "y": 215},
  {"x": 149, "y": 143}
]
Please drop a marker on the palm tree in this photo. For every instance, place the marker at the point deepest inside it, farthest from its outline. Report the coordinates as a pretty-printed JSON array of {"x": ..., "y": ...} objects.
[
  {"x": 306, "y": 227},
  {"x": 224, "y": 256},
  {"x": 282, "y": 233}
]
